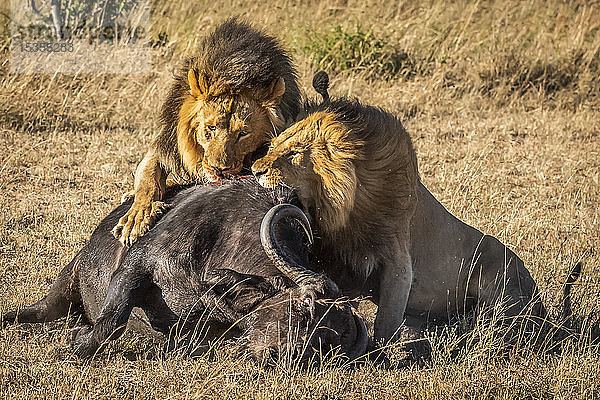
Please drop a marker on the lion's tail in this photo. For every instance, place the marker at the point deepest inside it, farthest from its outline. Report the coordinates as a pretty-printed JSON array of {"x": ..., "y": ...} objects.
[
  {"x": 321, "y": 84},
  {"x": 573, "y": 276}
]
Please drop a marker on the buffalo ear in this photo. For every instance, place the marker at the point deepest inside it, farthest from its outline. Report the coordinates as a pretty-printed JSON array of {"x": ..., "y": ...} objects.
[
  {"x": 243, "y": 291},
  {"x": 274, "y": 93},
  {"x": 198, "y": 84}
]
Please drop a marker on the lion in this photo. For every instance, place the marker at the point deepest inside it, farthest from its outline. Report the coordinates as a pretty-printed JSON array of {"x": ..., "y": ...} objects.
[
  {"x": 384, "y": 235},
  {"x": 458, "y": 268},
  {"x": 355, "y": 171},
  {"x": 226, "y": 102}
]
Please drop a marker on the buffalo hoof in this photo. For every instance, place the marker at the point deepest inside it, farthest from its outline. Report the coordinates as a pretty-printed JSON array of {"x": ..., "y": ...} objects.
[{"x": 83, "y": 343}]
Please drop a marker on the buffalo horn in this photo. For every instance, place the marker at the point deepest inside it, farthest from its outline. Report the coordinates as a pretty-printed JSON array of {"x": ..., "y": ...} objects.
[{"x": 297, "y": 273}]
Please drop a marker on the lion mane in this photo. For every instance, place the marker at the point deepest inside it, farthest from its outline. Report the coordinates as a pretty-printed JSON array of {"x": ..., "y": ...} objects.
[
  {"x": 356, "y": 171},
  {"x": 225, "y": 104},
  {"x": 235, "y": 61}
]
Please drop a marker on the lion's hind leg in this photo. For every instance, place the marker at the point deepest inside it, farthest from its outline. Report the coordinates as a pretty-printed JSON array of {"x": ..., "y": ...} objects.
[{"x": 506, "y": 291}]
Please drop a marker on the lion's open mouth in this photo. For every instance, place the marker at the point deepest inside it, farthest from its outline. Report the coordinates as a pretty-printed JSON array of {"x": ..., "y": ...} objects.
[{"x": 213, "y": 174}]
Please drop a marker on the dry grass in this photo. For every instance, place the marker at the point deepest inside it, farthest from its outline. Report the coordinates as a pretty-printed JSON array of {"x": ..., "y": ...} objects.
[{"x": 502, "y": 102}]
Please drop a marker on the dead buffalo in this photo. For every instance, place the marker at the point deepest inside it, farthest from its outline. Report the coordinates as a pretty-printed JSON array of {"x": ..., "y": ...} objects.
[{"x": 204, "y": 265}]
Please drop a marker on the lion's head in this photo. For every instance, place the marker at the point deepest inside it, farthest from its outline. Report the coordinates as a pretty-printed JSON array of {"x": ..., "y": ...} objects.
[
  {"x": 218, "y": 128},
  {"x": 315, "y": 156},
  {"x": 348, "y": 163}
]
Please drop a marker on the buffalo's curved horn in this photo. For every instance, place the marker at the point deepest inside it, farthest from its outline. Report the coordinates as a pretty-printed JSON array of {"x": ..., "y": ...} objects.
[{"x": 297, "y": 273}]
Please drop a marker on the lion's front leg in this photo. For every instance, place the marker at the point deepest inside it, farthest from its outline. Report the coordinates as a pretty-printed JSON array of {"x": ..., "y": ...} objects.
[
  {"x": 149, "y": 189},
  {"x": 395, "y": 282}
]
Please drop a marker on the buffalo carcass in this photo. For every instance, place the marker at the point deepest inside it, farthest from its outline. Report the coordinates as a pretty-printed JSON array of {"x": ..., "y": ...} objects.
[{"x": 203, "y": 265}]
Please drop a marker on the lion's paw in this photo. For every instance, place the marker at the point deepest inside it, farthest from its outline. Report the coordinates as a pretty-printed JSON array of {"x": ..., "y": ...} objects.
[{"x": 138, "y": 220}]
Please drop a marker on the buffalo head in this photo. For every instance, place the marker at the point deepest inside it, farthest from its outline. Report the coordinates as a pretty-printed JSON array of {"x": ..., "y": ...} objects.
[{"x": 307, "y": 318}]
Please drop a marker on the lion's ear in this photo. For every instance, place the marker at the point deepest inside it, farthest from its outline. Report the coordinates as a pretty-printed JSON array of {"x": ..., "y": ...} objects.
[
  {"x": 198, "y": 84},
  {"x": 274, "y": 93}
]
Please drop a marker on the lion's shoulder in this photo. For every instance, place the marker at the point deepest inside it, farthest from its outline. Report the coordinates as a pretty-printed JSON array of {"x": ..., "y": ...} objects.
[{"x": 375, "y": 179}]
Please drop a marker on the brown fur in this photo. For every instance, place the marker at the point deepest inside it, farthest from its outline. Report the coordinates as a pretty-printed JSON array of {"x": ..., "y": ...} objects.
[
  {"x": 226, "y": 103},
  {"x": 356, "y": 168}
]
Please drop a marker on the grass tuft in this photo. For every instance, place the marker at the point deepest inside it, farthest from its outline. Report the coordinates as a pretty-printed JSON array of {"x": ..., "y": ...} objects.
[{"x": 357, "y": 51}]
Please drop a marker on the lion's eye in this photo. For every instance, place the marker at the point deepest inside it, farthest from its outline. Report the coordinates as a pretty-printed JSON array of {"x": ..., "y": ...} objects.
[
  {"x": 291, "y": 153},
  {"x": 209, "y": 130},
  {"x": 242, "y": 134}
]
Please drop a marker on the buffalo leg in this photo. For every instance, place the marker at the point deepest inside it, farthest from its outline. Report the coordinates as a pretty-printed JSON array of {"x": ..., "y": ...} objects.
[
  {"x": 62, "y": 298},
  {"x": 126, "y": 290}
]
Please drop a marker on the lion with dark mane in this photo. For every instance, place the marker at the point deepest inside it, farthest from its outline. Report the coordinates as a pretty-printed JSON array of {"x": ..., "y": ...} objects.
[{"x": 225, "y": 103}]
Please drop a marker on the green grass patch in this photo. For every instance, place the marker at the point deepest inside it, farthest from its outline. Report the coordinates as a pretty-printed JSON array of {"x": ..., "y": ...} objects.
[{"x": 357, "y": 51}]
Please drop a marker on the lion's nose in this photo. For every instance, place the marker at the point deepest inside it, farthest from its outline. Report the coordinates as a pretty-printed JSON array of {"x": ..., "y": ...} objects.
[{"x": 222, "y": 171}]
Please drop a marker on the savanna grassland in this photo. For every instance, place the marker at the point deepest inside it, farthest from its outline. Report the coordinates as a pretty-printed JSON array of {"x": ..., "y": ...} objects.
[{"x": 501, "y": 98}]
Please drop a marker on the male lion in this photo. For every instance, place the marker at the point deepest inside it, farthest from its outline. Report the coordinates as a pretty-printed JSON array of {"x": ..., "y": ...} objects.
[
  {"x": 356, "y": 173},
  {"x": 226, "y": 102}
]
